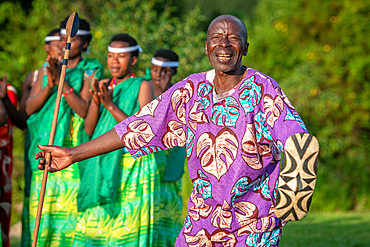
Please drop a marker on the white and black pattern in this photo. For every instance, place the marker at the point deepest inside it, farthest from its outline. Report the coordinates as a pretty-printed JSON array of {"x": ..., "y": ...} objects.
[{"x": 297, "y": 178}]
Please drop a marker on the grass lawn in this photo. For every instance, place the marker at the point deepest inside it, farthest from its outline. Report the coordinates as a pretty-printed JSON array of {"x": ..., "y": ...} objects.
[{"x": 329, "y": 229}]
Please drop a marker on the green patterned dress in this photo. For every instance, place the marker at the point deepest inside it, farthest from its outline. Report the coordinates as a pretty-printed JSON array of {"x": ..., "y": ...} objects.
[
  {"x": 117, "y": 197},
  {"x": 59, "y": 213},
  {"x": 168, "y": 220}
]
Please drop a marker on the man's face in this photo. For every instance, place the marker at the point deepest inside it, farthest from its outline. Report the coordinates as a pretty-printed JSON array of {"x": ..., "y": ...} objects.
[{"x": 226, "y": 44}]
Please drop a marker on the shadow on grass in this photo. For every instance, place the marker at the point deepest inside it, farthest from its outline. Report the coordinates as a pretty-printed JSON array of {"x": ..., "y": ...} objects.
[{"x": 350, "y": 229}]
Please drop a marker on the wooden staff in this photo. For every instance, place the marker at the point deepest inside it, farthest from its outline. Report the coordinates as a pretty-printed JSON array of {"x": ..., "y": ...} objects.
[{"x": 71, "y": 30}]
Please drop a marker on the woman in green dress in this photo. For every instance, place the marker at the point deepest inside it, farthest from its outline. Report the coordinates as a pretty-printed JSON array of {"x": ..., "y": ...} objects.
[
  {"x": 59, "y": 215},
  {"x": 168, "y": 221},
  {"x": 116, "y": 200}
]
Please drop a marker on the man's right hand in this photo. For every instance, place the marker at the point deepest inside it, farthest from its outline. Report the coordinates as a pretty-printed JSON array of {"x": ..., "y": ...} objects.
[{"x": 60, "y": 157}]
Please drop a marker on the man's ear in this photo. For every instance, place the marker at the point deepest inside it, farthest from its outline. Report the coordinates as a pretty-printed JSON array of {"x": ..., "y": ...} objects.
[
  {"x": 46, "y": 48},
  {"x": 133, "y": 60},
  {"x": 205, "y": 47},
  {"x": 246, "y": 49}
]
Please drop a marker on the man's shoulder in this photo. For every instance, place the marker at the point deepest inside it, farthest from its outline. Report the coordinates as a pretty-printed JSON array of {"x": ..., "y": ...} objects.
[
  {"x": 194, "y": 78},
  {"x": 261, "y": 77}
]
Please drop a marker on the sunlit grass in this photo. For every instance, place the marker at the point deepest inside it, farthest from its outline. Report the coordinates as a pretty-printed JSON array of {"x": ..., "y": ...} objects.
[{"x": 329, "y": 229}]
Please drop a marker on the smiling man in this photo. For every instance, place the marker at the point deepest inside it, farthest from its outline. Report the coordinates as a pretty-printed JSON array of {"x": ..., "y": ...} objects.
[{"x": 234, "y": 122}]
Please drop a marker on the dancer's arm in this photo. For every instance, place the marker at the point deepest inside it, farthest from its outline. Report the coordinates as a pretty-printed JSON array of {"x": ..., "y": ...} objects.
[
  {"x": 79, "y": 102},
  {"x": 145, "y": 96},
  {"x": 62, "y": 157},
  {"x": 38, "y": 95},
  {"x": 92, "y": 115},
  {"x": 15, "y": 116}
]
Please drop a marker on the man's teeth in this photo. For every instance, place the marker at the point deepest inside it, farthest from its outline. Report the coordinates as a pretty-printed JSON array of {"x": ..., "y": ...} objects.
[{"x": 224, "y": 57}]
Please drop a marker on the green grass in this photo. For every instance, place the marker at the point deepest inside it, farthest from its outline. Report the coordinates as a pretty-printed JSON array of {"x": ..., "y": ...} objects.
[{"x": 329, "y": 229}]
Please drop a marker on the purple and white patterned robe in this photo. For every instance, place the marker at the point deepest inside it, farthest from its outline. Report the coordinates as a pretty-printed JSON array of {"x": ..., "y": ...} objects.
[{"x": 233, "y": 150}]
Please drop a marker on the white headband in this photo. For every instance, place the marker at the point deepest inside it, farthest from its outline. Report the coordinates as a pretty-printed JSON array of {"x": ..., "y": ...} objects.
[
  {"x": 171, "y": 64},
  {"x": 79, "y": 32},
  {"x": 124, "y": 49},
  {"x": 52, "y": 38}
]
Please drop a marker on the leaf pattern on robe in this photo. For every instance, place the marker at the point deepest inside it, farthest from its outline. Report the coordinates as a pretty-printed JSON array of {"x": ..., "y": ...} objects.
[
  {"x": 245, "y": 211},
  {"x": 248, "y": 219},
  {"x": 146, "y": 150},
  {"x": 200, "y": 208},
  {"x": 259, "y": 185},
  {"x": 227, "y": 239},
  {"x": 180, "y": 98},
  {"x": 188, "y": 225},
  {"x": 217, "y": 154},
  {"x": 203, "y": 93},
  {"x": 282, "y": 95},
  {"x": 139, "y": 133},
  {"x": 175, "y": 135},
  {"x": 267, "y": 239},
  {"x": 250, "y": 95},
  {"x": 263, "y": 132},
  {"x": 222, "y": 216},
  {"x": 241, "y": 187},
  {"x": 249, "y": 146},
  {"x": 225, "y": 113},
  {"x": 196, "y": 117},
  {"x": 201, "y": 239},
  {"x": 149, "y": 108},
  {"x": 273, "y": 106},
  {"x": 189, "y": 143},
  {"x": 202, "y": 186}
]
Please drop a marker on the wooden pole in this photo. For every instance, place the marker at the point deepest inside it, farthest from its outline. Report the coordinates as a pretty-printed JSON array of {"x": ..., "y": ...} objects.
[{"x": 71, "y": 30}]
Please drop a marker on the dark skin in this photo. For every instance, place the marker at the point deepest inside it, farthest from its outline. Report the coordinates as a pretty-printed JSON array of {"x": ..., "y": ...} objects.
[
  {"x": 226, "y": 44},
  {"x": 78, "y": 102},
  {"x": 161, "y": 77},
  {"x": 17, "y": 118},
  {"x": 120, "y": 66}
]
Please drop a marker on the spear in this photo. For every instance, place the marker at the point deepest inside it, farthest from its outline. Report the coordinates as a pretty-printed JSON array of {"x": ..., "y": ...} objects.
[{"x": 71, "y": 30}]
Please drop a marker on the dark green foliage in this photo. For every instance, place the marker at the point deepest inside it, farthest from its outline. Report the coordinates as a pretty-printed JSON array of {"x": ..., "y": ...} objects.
[
  {"x": 318, "y": 51},
  {"x": 152, "y": 23}
]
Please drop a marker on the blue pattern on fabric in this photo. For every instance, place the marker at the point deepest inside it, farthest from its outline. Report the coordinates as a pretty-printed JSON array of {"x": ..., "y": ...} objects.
[
  {"x": 261, "y": 129},
  {"x": 299, "y": 120},
  {"x": 226, "y": 111},
  {"x": 295, "y": 117},
  {"x": 251, "y": 94},
  {"x": 189, "y": 142},
  {"x": 289, "y": 116},
  {"x": 280, "y": 146},
  {"x": 188, "y": 225},
  {"x": 275, "y": 189},
  {"x": 262, "y": 185},
  {"x": 202, "y": 187},
  {"x": 267, "y": 239},
  {"x": 243, "y": 185},
  {"x": 203, "y": 90},
  {"x": 145, "y": 151}
]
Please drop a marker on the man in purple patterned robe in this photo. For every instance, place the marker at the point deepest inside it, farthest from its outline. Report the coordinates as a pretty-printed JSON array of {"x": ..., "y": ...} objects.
[{"x": 234, "y": 122}]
